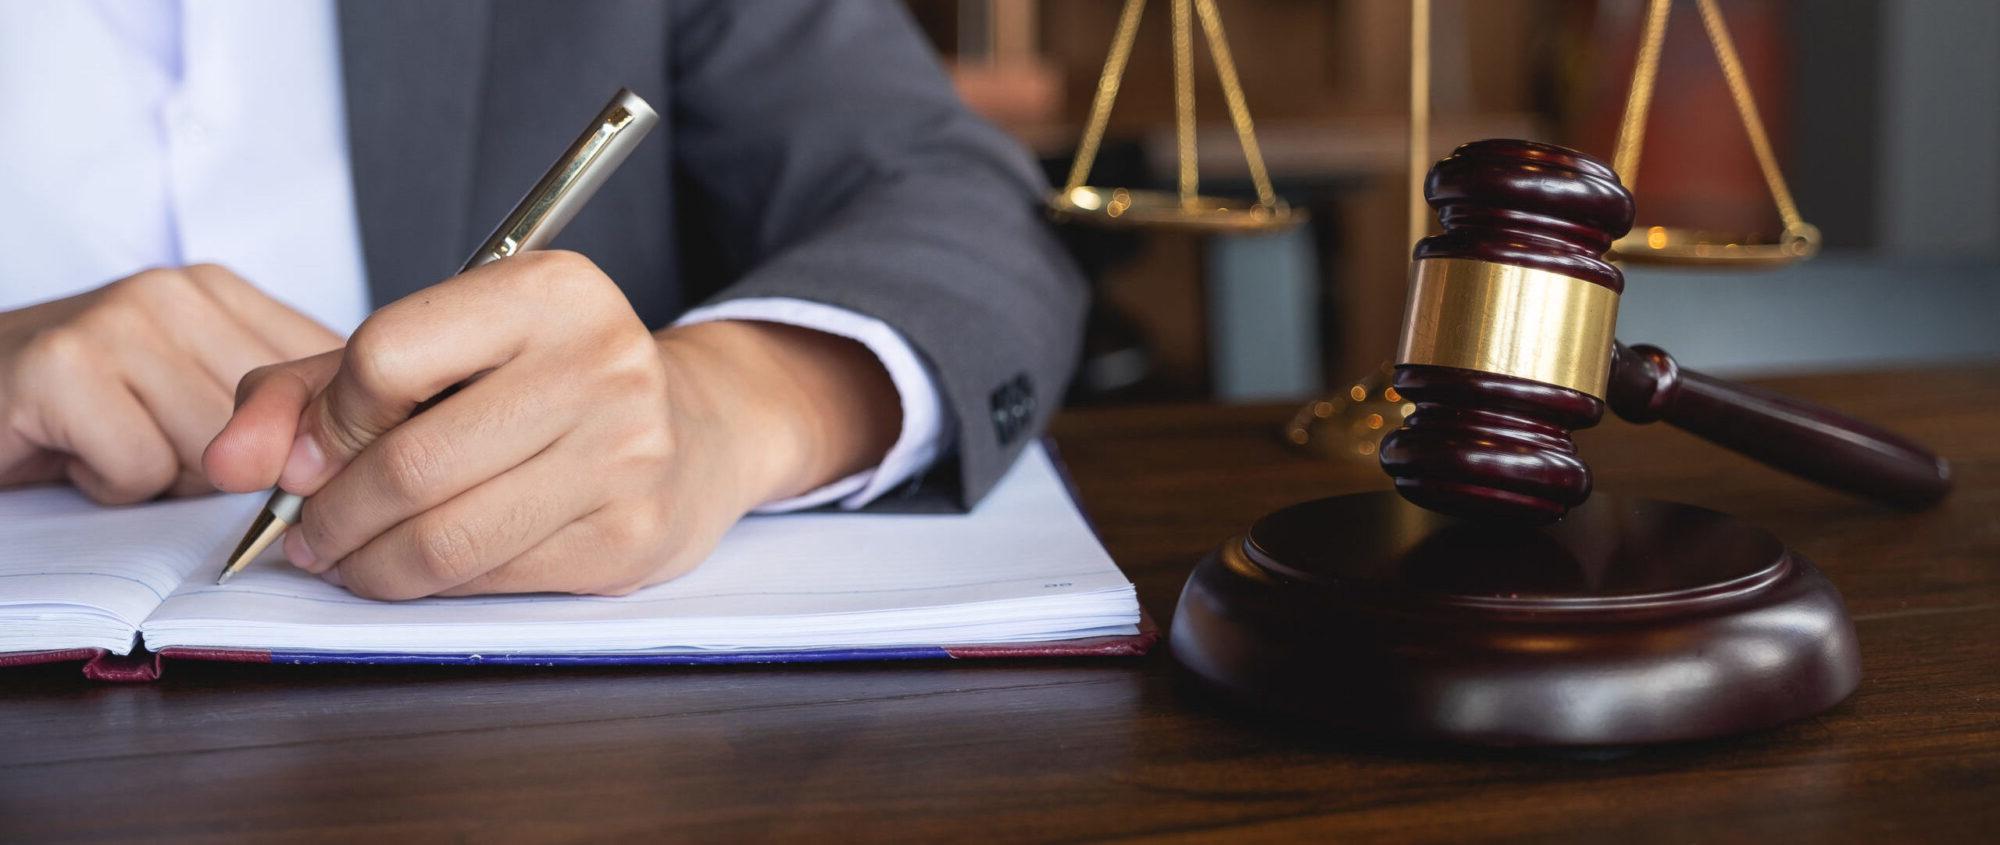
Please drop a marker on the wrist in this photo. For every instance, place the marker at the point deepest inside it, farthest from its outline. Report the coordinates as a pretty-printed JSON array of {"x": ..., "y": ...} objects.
[{"x": 793, "y": 408}]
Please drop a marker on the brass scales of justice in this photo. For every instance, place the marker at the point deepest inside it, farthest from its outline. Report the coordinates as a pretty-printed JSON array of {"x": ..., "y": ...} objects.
[
  {"x": 1349, "y": 425},
  {"x": 1188, "y": 209},
  {"x": 1492, "y": 598}
]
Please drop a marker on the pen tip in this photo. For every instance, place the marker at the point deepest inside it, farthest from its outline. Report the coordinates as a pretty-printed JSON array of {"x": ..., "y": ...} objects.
[{"x": 264, "y": 531}]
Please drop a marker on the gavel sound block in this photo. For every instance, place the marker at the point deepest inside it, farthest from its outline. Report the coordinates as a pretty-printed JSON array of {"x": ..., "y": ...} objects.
[{"x": 1497, "y": 601}]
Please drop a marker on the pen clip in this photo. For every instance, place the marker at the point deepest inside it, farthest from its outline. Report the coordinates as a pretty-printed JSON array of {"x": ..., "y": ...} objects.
[
  {"x": 537, "y": 211},
  {"x": 571, "y": 181}
]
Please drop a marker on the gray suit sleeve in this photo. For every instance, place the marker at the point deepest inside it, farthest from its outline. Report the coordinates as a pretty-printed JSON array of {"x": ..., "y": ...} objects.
[{"x": 834, "y": 163}]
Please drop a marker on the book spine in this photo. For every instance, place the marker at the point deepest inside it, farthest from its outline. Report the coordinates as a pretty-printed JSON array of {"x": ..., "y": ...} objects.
[
  {"x": 141, "y": 666},
  {"x": 30, "y": 658}
]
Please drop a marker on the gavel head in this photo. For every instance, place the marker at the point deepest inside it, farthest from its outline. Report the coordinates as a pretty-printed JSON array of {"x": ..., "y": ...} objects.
[{"x": 1507, "y": 336}]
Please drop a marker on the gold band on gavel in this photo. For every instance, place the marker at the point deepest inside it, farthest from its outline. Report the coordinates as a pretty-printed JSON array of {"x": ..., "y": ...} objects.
[{"x": 1513, "y": 321}]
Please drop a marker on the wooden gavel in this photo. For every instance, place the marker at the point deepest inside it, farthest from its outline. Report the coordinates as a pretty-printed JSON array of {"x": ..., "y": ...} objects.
[{"x": 1508, "y": 347}]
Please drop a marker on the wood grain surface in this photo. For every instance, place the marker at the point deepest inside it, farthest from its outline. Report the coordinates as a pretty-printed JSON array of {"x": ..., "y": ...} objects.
[{"x": 1083, "y": 749}]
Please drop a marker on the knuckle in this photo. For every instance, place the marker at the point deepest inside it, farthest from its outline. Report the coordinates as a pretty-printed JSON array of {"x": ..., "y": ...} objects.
[
  {"x": 632, "y": 370},
  {"x": 61, "y": 350},
  {"x": 560, "y": 261},
  {"x": 568, "y": 276},
  {"x": 129, "y": 323},
  {"x": 210, "y": 273},
  {"x": 320, "y": 528},
  {"x": 151, "y": 284},
  {"x": 629, "y": 532},
  {"x": 446, "y": 552},
  {"x": 636, "y": 357},
  {"x": 145, "y": 477},
  {"x": 147, "y": 481},
  {"x": 336, "y": 428},
  {"x": 371, "y": 360},
  {"x": 118, "y": 312},
  {"x": 412, "y": 466},
  {"x": 254, "y": 379},
  {"x": 651, "y": 446},
  {"x": 143, "y": 280}
]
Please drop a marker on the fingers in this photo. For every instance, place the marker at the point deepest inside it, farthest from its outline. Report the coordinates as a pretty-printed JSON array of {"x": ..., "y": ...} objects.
[
  {"x": 251, "y": 448},
  {"x": 287, "y": 333},
  {"x": 227, "y": 351},
  {"x": 190, "y": 482},
  {"x": 187, "y": 403},
  {"x": 556, "y": 411},
  {"x": 409, "y": 352},
  {"x": 463, "y": 538},
  {"x": 492, "y": 426},
  {"x": 123, "y": 380},
  {"x": 165, "y": 311},
  {"x": 119, "y": 455},
  {"x": 112, "y": 448},
  {"x": 593, "y": 544}
]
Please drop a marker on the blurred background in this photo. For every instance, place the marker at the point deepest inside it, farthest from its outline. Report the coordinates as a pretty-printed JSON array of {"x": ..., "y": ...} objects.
[{"x": 1885, "y": 116}]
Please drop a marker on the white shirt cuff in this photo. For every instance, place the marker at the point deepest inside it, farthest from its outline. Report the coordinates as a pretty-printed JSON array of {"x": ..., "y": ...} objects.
[{"x": 924, "y": 432}]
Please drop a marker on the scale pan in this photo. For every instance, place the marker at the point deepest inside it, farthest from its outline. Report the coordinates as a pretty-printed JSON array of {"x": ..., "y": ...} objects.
[
  {"x": 1121, "y": 208},
  {"x": 1671, "y": 246}
]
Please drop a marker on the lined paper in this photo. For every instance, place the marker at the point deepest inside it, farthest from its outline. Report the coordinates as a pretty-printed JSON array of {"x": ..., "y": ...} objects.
[
  {"x": 1023, "y": 567},
  {"x": 74, "y": 574}
]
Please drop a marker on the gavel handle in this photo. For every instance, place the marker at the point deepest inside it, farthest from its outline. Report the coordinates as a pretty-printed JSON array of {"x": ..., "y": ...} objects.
[{"x": 1812, "y": 442}]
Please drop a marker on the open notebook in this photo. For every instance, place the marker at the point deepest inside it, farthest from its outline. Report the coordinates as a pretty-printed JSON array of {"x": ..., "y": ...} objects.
[{"x": 1022, "y": 574}]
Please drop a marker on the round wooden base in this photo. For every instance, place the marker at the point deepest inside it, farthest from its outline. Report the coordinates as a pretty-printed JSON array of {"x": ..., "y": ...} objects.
[{"x": 1631, "y": 621}]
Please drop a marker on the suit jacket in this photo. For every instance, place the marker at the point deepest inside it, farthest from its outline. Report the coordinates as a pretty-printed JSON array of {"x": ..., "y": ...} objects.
[{"x": 811, "y": 150}]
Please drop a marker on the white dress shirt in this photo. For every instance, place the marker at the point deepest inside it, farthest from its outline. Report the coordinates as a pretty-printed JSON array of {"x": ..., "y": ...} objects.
[{"x": 136, "y": 133}]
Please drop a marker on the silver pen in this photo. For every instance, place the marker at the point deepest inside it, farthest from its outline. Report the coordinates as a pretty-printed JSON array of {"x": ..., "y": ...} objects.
[{"x": 543, "y": 213}]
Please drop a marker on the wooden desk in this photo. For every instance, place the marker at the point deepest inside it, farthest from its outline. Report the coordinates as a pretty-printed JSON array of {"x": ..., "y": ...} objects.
[{"x": 1081, "y": 749}]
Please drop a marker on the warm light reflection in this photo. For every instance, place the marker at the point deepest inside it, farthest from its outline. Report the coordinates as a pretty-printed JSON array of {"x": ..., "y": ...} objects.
[
  {"x": 1542, "y": 643},
  {"x": 1349, "y": 424},
  {"x": 1656, "y": 237},
  {"x": 1234, "y": 560}
]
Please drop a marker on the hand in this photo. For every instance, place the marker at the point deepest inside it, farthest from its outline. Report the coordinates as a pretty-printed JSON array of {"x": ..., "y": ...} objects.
[
  {"x": 118, "y": 389},
  {"x": 586, "y": 456}
]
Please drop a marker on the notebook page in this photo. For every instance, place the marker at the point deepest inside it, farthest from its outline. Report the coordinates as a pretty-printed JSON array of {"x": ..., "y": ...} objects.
[
  {"x": 1023, "y": 567},
  {"x": 74, "y": 574}
]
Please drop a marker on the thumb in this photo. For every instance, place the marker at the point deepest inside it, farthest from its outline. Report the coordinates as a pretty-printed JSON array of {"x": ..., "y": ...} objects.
[
  {"x": 363, "y": 399},
  {"x": 252, "y": 449}
]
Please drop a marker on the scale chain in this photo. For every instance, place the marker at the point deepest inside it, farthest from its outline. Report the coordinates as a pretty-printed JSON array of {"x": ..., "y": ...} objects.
[
  {"x": 1746, "y": 106},
  {"x": 1645, "y": 77},
  {"x": 1632, "y": 129},
  {"x": 1107, "y": 93},
  {"x": 1190, "y": 178},
  {"x": 1232, "y": 93}
]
